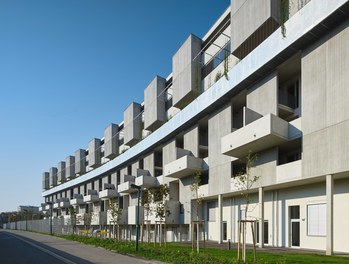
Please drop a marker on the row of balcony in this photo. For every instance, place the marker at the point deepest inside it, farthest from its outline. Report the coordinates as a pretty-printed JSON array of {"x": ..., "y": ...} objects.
[{"x": 127, "y": 216}]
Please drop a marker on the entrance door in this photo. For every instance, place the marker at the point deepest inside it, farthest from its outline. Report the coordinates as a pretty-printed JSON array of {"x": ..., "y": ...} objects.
[{"x": 294, "y": 226}]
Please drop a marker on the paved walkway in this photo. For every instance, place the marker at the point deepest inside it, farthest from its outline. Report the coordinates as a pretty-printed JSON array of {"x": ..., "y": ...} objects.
[{"x": 73, "y": 252}]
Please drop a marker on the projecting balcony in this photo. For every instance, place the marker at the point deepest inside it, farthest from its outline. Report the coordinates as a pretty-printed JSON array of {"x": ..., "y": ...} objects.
[
  {"x": 56, "y": 205},
  {"x": 132, "y": 213},
  {"x": 108, "y": 194},
  {"x": 183, "y": 167},
  {"x": 99, "y": 218},
  {"x": 125, "y": 187},
  {"x": 266, "y": 132},
  {"x": 121, "y": 219},
  {"x": 64, "y": 203},
  {"x": 289, "y": 172},
  {"x": 76, "y": 201},
  {"x": 146, "y": 181},
  {"x": 48, "y": 207},
  {"x": 91, "y": 197}
]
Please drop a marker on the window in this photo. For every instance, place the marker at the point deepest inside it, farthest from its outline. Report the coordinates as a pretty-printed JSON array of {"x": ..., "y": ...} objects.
[
  {"x": 317, "y": 220},
  {"x": 211, "y": 211},
  {"x": 266, "y": 232}
]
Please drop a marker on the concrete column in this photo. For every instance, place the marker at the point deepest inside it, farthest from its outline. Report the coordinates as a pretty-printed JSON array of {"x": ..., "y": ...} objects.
[
  {"x": 261, "y": 216},
  {"x": 219, "y": 220},
  {"x": 329, "y": 212}
]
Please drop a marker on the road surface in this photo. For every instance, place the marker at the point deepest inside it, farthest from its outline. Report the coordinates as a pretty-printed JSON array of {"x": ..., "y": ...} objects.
[{"x": 17, "y": 247}]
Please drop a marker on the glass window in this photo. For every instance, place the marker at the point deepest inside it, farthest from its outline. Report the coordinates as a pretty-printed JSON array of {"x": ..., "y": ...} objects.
[
  {"x": 294, "y": 212},
  {"x": 211, "y": 211}
]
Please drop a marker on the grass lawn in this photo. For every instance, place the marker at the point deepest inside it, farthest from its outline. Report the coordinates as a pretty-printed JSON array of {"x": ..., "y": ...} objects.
[{"x": 174, "y": 253}]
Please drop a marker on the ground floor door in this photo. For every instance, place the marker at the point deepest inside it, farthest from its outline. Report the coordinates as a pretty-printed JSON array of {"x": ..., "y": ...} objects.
[{"x": 294, "y": 226}]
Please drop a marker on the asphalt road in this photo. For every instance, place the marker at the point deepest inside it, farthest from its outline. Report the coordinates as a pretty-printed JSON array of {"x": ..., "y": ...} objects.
[{"x": 31, "y": 248}]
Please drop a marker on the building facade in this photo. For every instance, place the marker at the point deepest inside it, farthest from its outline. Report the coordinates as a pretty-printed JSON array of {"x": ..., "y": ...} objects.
[{"x": 247, "y": 86}]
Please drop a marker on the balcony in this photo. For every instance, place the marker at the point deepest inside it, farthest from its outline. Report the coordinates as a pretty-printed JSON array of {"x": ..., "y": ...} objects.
[
  {"x": 47, "y": 207},
  {"x": 91, "y": 197},
  {"x": 99, "y": 218},
  {"x": 108, "y": 194},
  {"x": 56, "y": 205},
  {"x": 173, "y": 208},
  {"x": 289, "y": 172},
  {"x": 64, "y": 203},
  {"x": 122, "y": 219},
  {"x": 183, "y": 167},
  {"x": 77, "y": 200},
  {"x": 146, "y": 181},
  {"x": 125, "y": 187},
  {"x": 266, "y": 132},
  {"x": 132, "y": 213}
]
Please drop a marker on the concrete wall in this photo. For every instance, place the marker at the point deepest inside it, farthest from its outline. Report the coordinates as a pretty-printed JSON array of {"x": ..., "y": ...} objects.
[
  {"x": 154, "y": 104},
  {"x": 45, "y": 180},
  {"x": 219, "y": 125},
  {"x": 111, "y": 141},
  {"x": 186, "y": 73},
  {"x": 53, "y": 176},
  {"x": 263, "y": 97},
  {"x": 247, "y": 16},
  {"x": 149, "y": 163},
  {"x": 169, "y": 152},
  {"x": 61, "y": 172},
  {"x": 191, "y": 140},
  {"x": 94, "y": 153},
  {"x": 80, "y": 161},
  {"x": 70, "y": 167},
  {"x": 325, "y": 109},
  {"x": 132, "y": 124}
]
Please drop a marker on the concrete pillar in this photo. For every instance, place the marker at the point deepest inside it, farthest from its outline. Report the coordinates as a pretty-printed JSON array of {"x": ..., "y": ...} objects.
[
  {"x": 219, "y": 220},
  {"x": 329, "y": 210},
  {"x": 261, "y": 216}
]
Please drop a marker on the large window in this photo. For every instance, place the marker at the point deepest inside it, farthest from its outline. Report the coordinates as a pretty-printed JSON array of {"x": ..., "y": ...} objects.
[{"x": 317, "y": 220}]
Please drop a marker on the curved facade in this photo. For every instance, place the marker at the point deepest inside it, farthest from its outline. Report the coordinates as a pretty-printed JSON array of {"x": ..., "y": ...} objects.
[{"x": 243, "y": 87}]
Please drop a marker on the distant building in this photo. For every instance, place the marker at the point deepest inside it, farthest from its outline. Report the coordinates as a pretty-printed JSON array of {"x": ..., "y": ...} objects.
[{"x": 29, "y": 208}]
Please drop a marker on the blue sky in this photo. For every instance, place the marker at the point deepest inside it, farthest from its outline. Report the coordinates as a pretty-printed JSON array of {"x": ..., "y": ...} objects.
[{"x": 70, "y": 68}]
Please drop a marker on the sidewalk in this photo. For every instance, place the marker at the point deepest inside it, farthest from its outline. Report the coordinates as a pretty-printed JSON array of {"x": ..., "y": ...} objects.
[{"x": 86, "y": 252}]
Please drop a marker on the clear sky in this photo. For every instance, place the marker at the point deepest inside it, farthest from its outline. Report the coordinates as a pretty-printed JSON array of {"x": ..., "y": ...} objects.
[{"x": 69, "y": 68}]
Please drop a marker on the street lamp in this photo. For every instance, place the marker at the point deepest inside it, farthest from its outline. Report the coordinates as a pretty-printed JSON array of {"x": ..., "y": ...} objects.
[
  {"x": 134, "y": 186},
  {"x": 51, "y": 205}
]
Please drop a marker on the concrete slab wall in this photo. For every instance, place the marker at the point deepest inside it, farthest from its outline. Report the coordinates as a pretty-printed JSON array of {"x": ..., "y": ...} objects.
[
  {"x": 53, "y": 176},
  {"x": 219, "y": 125},
  {"x": 154, "y": 104},
  {"x": 247, "y": 16},
  {"x": 191, "y": 140},
  {"x": 61, "y": 172},
  {"x": 45, "y": 180},
  {"x": 132, "y": 124},
  {"x": 94, "y": 153},
  {"x": 325, "y": 108},
  {"x": 263, "y": 97},
  {"x": 80, "y": 161},
  {"x": 149, "y": 163},
  {"x": 111, "y": 141},
  {"x": 70, "y": 167},
  {"x": 186, "y": 72}
]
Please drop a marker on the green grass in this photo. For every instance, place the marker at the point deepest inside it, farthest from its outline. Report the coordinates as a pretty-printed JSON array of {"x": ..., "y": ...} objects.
[{"x": 177, "y": 254}]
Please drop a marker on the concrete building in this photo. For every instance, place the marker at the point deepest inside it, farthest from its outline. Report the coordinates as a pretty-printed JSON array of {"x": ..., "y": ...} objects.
[{"x": 241, "y": 88}]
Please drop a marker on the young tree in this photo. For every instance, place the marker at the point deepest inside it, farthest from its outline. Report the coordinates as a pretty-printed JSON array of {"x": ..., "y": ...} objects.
[
  {"x": 72, "y": 214},
  {"x": 159, "y": 199},
  {"x": 146, "y": 203},
  {"x": 245, "y": 181},
  {"x": 115, "y": 212},
  {"x": 194, "y": 188}
]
